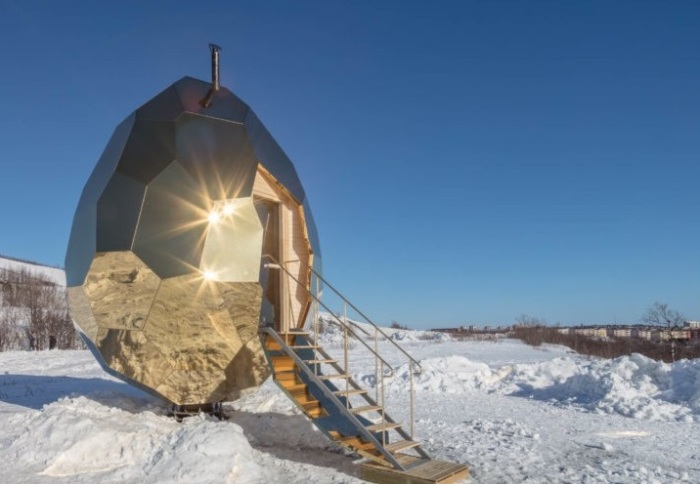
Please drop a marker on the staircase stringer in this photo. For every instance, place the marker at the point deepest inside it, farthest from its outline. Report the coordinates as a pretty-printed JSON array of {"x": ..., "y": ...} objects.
[{"x": 342, "y": 408}]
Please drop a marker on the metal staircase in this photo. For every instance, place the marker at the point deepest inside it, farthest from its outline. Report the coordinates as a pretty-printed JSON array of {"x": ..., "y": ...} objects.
[{"x": 324, "y": 390}]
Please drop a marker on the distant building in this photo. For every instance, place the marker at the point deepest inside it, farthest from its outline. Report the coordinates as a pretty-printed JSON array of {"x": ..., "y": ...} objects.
[
  {"x": 620, "y": 332},
  {"x": 591, "y": 331}
]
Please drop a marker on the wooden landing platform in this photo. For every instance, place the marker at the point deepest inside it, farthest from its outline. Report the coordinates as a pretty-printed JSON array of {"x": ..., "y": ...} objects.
[{"x": 420, "y": 471}]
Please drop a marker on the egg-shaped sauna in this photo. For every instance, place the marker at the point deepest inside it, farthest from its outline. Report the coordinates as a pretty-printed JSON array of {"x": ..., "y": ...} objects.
[{"x": 166, "y": 263}]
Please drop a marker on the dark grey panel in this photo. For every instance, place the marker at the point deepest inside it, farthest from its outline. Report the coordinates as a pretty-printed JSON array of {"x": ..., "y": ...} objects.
[
  {"x": 224, "y": 104},
  {"x": 118, "y": 213},
  {"x": 173, "y": 223},
  {"x": 272, "y": 157},
  {"x": 166, "y": 106},
  {"x": 217, "y": 154},
  {"x": 150, "y": 148},
  {"x": 83, "y": 237}
]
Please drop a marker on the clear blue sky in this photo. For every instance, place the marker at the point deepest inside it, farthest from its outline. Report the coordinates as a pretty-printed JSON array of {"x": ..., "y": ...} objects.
[{"x": 466, "y": 161}]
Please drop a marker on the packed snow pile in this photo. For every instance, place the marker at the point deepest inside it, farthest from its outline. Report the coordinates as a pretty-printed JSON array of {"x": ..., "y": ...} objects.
[
  {"x": 331, "y": 333},
  {"x": 633, "y": 386},
  {"x": 119, "y": 447}
]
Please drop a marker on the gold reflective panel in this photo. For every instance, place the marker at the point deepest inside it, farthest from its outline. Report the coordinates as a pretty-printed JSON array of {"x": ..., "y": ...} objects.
[
  {"x": 193, "y": 387},
  {"x": 179, "y": 313},
  {"x": 186, "y": 324},
  {"x": 248, "y": 370},
  {"x": 132, "y": 355},
  {"x": 233, "y": 245},
  {"x": 121, "y": 289},
  {"x": 243, "y": 301},
  {"x": 80, "y": 310}
]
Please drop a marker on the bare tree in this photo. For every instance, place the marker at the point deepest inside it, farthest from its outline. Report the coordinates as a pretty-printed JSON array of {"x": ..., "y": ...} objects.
[
  {"x": 659, "y": 314},
  {"x": 525, "y": 320},
  {"x": 34, "y": 313}
]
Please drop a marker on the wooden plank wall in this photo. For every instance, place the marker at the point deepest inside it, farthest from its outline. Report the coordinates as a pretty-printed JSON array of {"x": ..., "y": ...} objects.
[{"x": 296, "y": 249}]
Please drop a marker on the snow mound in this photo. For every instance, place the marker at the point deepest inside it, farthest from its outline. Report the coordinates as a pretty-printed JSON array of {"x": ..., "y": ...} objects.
[
  {"x": 77, "y": 436},
  {"x": 45, "y": 273},
  {"x": 331, "y": 333},
  {"x": 634, "y": 386}
]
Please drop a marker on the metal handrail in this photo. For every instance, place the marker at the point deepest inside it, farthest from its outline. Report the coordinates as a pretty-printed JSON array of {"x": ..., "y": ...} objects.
[
  {"x": 277, "y": 265},
  {"x": 345, "y": 409},
  {"x": 369, "y": 321},
  {"x": 387, "y": 369}
]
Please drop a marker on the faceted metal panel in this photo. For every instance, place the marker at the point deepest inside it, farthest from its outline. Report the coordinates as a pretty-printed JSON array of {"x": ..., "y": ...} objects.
[
  {"x": 242, "y": 301},
  {"x": 165, "y": 106},
  {"x": 183, "y": 325},
  {"x": 121, "y": 289},
  {"x": 131, "y": 354},
  {"x": 217, "y": 155},
  {"x": 224, "y": 105},
  {"x": 150, "y": 148},
  {"x": 118, "y": 212},
  {"x": 151, "y": 277},
  {"x": 83, "y": 237},
  {"x": 233, "y": 247},
  {"x": 194, "y": 387},
  {"x": 81, "y": 311},
  {"x": 173, "y": 224},
  {"x": 247, "y": 371},
  {"x": 273, "y": 157}
]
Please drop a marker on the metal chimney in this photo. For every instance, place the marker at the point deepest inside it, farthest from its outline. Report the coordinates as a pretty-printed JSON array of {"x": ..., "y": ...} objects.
[{"x": 215, "y": 79}]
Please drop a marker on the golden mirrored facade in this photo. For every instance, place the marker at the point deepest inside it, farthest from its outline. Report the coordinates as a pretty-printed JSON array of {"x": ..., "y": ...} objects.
[{"x": 165, "y": 259}]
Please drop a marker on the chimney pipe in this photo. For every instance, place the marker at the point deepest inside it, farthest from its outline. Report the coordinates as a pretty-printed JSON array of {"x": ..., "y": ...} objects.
[{"x": 215, "y": 79}]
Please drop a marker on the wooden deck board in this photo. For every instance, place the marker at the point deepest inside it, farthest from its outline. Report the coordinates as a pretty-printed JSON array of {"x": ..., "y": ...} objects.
[{"x": 423, "y": 471}]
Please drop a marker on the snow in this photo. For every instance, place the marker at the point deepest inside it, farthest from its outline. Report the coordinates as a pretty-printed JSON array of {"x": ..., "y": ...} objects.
[
  {"x": 44, "y": 273},
  {"x": 511, "y": 412}
]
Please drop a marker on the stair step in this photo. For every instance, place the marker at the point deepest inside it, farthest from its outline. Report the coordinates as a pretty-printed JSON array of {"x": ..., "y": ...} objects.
[
  {"x": 309, "y": 404},
  {"x": 383, "y": 426},
  {"x": 401, "y": 445},
  {"x": 354, "y": 391},
  {"x": 286, "y": 376},
  {"x": 304, "y": 347},
  {"x": 282, "y": 363},
  {"x": 366, "y": 408},
  {"x": 295, "y": 389},
  {"x": 354, "y": 441},
  {"x": 335, "y": 376},
  {"x": 313, "y": 362}
]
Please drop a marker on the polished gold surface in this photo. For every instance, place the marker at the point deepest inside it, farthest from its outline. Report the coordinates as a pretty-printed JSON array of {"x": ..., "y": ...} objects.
[
  {"x": 182, "y": 321},
  {"x": 233, "y": 246},
  {"x": 79, "y": 305},
  {"x": 191, "y": 339},
  {"x": 242, "y": 301},
  {"x": 121, "y": 289},
  {"x": 131, "y": 354}
]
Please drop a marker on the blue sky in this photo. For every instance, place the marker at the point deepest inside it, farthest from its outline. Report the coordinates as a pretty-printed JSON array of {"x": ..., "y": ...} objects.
[{"x": 467, "y": 162}]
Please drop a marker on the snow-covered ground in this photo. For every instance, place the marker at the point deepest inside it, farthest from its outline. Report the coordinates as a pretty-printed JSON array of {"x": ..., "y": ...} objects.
[
  {"x": 45, "y": 273},
  {"x": 513, "y": 413}
]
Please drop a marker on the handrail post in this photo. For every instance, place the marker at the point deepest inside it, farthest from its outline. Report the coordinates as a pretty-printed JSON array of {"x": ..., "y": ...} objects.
[
  {"x": 410, "y": 366},
  {"x": 347, "y": 367},
  {"x": 376, "y": 368},
  {"x": 317, "y": 325},
  {"x": 383, "y": 407}
]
